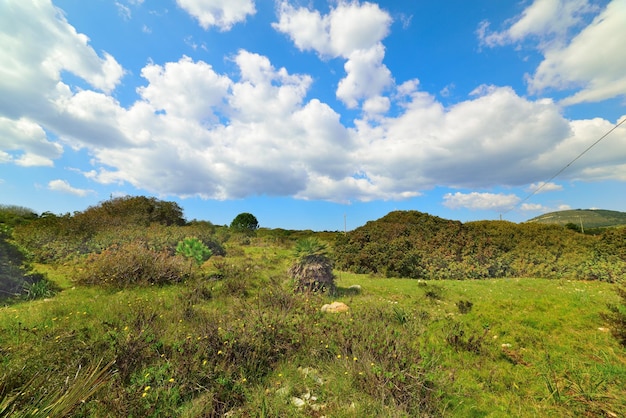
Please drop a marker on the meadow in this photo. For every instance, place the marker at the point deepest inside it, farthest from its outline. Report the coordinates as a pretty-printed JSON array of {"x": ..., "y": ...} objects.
[{"x": 233, "y": 338}]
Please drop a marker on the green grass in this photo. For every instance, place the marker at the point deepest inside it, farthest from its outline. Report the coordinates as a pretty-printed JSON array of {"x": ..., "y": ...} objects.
[{"x": 247, "y": 344}]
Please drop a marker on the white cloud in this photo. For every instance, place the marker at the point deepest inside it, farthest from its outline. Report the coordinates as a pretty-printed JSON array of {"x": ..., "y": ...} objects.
[
  {"x": 195, "y": 132},
  {"x": 35, "y": 58},
  {"x": 542, "y": 187},
  {"x": 353, "y": 31},
  {"x": 184, "y": 89},
  {"x": 349, "y": 27},
  {"x": 533, "y": 207},
  {"x": 480, "y": 201},
  {"x": 367, "y": 77},
  {"x": 220, "y": 13},
  {"x": 599, "y": 72},
  {"x": 64, "y": 187},
  {"x": 36, "y": 46},
  {"x": 537, "y": 207},
  {"x": 28, "y": 141},
  {"x": 583, "y": 57},
  {"x": 547, "y": 20}
]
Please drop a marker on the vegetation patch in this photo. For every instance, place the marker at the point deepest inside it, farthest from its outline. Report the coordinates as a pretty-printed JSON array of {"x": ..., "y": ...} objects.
[{"x": 142, "y": 323}]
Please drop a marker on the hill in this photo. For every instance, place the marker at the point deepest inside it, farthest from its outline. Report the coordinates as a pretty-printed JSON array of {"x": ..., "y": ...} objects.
[
  {"x": 590, "y": 218},
  {"x": 421, "y": 246}
]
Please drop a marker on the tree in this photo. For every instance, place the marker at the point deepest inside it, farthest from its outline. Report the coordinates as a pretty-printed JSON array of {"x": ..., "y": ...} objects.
[{"x": 245, "y": 222}]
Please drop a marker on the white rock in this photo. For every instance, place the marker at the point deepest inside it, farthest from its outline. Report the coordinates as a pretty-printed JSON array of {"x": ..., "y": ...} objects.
[{"x": 297, "y": 402}]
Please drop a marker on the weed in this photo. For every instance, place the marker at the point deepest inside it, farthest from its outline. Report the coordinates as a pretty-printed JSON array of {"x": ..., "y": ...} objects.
[
  {"x": 433, "y": 292},
  {"x": 39, "y": 289},
  {"x": 456, "y": 337},
  {"x": 400, "y": 315},
  {"x": 616, "y": 317},
  {"x": 465, "y": 306}
]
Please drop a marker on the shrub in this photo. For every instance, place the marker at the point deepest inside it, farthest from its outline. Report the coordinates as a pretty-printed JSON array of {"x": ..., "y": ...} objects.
[
  {"x": 132, "y": 264},
  {"x": 465, "y": 306},
  {"x": 458, "y": 339},
  {"x": 616, "y": 317}
]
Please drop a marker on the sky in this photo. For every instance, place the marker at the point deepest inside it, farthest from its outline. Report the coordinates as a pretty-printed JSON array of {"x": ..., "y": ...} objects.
[{"x": 312, "y": 114}]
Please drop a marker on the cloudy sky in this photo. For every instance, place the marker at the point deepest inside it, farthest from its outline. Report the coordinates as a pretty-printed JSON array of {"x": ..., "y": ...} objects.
[{"x": 312, "y": 113}]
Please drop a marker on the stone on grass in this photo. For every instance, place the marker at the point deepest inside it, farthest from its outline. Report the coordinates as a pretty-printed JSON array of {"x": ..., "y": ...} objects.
[{"x": 335, "y": 307}]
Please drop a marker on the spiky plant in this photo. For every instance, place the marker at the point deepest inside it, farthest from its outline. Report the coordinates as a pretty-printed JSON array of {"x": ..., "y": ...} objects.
[
  {"x": 193, "y": 249},
  {"x": 312, "y": 270}
]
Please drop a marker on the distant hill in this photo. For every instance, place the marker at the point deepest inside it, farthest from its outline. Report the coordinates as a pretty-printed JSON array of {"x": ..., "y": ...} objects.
[{"x": 590, "y": 218}]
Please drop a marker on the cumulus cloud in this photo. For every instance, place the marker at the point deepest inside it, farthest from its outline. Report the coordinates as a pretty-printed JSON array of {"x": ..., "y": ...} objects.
[
  {"x": 63, "y": 186},
  {"x": 184, "y": 89},
  {"x": 546, "y": 20},
  {"x": 193, "y": 131},
  {"x": 32, "y": 60},
  {"x": 220, "y": 13},
  {"x": 598, "y": 73},
  {"x": 353, "y": 31},
  {"x": 481, "y": 201},
  {"x": 349, "y": 27},
  {"x": 573, "y": 60},
  {"x": 33, "y": 94},
  {"x": 366, "y": 76},
  {"x": 28, "y": 143}
]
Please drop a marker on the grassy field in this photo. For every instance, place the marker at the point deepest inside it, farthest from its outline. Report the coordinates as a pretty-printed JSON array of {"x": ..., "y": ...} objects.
[
  {"x": 588, "y": 218},
  {"x": 248, "y": 346}
]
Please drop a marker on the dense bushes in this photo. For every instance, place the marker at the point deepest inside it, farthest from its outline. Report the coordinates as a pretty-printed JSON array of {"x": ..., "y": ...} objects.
[
  {"x": 132, "y": 264},
  {"x": 417, "y": 245},
  {"x": 53, "y": 238}
]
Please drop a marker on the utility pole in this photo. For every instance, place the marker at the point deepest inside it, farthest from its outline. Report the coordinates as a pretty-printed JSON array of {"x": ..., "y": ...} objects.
[{"x": 582, "y": 229}]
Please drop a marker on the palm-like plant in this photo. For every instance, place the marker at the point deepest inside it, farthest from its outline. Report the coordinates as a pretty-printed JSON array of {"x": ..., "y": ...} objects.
[
  {"x": 312, "y": 270},
  {"x": 193, "y": 249}
]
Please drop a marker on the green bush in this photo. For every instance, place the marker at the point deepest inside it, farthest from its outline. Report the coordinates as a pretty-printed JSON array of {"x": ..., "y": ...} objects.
[
  {"x": 132, "y": 264},
  {"x": 420, "y": 246},
  {"x": 616, "y": 317}
]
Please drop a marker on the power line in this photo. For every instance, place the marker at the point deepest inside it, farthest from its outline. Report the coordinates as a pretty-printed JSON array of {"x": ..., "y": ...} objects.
[{"x": 534, "y": 192}]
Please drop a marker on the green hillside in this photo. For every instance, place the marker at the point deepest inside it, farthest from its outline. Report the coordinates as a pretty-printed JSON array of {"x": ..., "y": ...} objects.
[
  {"x": 421, "y": 246},
  {"x": 590, "y": 218},
  {"x": 136, "y": 328}
]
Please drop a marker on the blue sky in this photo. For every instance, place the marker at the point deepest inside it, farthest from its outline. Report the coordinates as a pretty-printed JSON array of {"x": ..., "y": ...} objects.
[{"x": 312, "y": 113}]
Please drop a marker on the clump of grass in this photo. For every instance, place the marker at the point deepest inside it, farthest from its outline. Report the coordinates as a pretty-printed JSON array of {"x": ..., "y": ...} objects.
[
  {"x": 39, "y": 289},
  {"x": 34, "y": 399}
]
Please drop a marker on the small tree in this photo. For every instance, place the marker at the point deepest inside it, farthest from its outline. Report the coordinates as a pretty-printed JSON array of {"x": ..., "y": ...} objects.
[
  {"x": 312, "y": 270},
  {"x": 193, "y": 249},
  {"x": 245, "y": 222}
]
